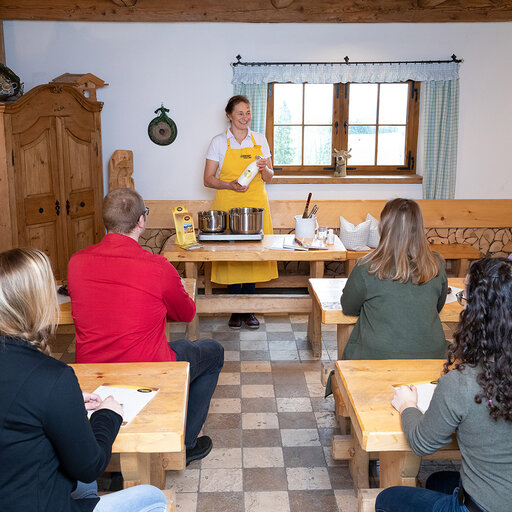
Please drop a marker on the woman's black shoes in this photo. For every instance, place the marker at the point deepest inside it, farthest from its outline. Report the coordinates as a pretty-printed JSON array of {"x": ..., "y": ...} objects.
[
  {"x": 251, "y": 321},
  {"x": 235, "y": 322}
]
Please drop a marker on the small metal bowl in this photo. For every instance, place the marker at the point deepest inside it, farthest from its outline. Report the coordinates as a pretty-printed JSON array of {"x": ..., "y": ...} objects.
[{"x": 212, "y": 221}]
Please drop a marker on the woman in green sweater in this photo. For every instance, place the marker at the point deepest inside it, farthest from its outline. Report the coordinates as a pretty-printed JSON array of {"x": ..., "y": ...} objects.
[
  {"x": 397, "y": 291},
  {"x": 473, "y": 399}
]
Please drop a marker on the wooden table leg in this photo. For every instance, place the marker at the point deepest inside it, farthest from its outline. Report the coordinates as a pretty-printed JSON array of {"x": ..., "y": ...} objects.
[
  {"x": 193, "y": 327},
  {"x": 359, "y": 468},
  {"x": 207, "y": 277},
  {"x": 463, "y": 267},
  {"x": 349, "y": 265},
  {"x": 191, "y": 269},
  {"x": 343, "y": 334},
  {"x": 399, "y": 468},
  {"x": 315, "y": 327},
  {"x": 143, "y": 468},
  {"x": 136, "y": 468},
  {"x": 316, "y": 270}
]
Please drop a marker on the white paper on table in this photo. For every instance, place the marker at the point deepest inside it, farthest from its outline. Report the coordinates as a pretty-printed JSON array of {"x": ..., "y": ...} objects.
[
  {"x": 451, "y": 296},
  {"x": 132, "y": 398},
  {"x": 62, "y": 299},
  {"x": 287, "y": 243},
  {"x": 425, "y": 393}
]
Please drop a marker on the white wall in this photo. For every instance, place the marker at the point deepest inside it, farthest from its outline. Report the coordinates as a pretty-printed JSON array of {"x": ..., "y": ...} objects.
[{"x": 186, "y": 66}]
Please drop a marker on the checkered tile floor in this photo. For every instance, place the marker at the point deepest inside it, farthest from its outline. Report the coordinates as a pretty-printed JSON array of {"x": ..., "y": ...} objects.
[{"x": 270, "y": 425}]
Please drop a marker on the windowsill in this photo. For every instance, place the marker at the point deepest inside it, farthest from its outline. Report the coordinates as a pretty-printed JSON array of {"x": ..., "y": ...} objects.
[{"x": 282, "y": 180}]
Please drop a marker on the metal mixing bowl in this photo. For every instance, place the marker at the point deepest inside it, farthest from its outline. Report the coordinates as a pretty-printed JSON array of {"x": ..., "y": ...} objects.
[
  {"x": 246, "y": 221},
  {"x": 212, "y": 221}
]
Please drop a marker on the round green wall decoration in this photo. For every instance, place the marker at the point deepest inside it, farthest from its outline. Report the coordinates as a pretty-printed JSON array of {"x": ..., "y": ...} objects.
[{"x": 162, "y": 130}]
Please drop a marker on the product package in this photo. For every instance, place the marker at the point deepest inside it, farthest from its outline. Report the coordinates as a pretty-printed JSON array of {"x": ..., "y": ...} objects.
[{"x": 185, "y": 232}]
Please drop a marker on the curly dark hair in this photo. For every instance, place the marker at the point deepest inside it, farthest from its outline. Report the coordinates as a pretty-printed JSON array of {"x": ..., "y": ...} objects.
[{"x": 484, "y": 335}]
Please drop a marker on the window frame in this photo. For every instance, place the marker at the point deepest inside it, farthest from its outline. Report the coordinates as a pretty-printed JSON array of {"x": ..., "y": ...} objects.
[{"x": 341, "y": 98}]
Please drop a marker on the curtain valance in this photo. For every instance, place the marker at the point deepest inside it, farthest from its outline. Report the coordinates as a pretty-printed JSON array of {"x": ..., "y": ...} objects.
[{"x": 335, "y": 73}]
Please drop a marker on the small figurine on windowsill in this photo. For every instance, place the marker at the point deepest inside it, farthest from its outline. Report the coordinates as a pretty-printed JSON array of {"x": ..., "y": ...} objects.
[{"x": 340, "y": 157}]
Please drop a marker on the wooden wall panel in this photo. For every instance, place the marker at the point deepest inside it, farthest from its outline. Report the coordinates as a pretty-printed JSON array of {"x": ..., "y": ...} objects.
[{"x": 452, "y": 213}]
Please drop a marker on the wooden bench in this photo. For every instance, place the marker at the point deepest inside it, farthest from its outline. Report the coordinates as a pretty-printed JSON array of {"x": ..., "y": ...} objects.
[{"x": 440, "y": 215}]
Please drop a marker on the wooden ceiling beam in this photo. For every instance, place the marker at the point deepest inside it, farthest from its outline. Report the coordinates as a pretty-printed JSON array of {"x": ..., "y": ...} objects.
[{"x": 260, "y": 11}]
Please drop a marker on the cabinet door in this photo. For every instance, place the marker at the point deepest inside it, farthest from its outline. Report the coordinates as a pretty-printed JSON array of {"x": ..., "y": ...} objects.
[
  {"x": 81, "y": 169},
  {"x": 39, "y": 209}
]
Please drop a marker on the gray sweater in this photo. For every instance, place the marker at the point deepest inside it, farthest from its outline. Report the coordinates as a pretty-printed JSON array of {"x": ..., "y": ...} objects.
[
  {"x": 396, "y": 320},
  {"x": 485, "y": 445}
]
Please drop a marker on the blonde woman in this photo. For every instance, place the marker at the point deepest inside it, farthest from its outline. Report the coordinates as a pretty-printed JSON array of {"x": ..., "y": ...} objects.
[
  {"x": 398, "y": 291},
  {"x": 47, "y": 444}
]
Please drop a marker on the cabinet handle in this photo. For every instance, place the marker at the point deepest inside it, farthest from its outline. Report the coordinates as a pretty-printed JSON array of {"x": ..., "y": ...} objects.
[
  {"x": 67, "y": 206},
  {"x": 57, "y": 207},
  {"x": 82, "y": 204},
  {"x": 41, "y": 210}
]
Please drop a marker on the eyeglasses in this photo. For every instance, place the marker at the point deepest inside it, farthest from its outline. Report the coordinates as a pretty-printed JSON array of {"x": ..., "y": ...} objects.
[
  {"x": 146, "y": 211},
  {"x": 460, "y": 297}
]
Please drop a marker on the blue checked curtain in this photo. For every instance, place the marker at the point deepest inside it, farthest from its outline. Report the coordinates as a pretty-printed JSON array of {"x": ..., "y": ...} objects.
[
  {"x": 441, "y": 116},
  {"x": 257, "y": 95}
]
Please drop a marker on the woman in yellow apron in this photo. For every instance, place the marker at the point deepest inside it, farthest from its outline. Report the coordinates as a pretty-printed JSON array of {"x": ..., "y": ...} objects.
[{"x": 231, "y": 152}]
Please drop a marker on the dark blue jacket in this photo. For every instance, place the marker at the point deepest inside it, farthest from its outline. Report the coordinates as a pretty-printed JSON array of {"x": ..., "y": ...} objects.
[{"x": 46, "y": 441}]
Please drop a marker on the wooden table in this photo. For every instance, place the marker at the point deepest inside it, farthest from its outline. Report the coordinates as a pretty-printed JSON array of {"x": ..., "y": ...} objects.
[
  {"x": 66, "y": 317},
  {"x": 254, "y": 251},
  {"x": 365, "y": 388},
  {"x": 155, "y": 439},
  {"x": 326, "y": 294}
]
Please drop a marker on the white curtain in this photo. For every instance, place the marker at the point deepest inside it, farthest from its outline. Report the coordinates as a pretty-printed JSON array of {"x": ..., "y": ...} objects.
[{"x": 344, "y": 73}]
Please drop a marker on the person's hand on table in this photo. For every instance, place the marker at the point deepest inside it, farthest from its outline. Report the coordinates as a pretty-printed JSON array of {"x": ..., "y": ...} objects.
[
  {"x": 405, "y": 396},
  {"x": 234, "y": 185},
  {"x": 113, "y": 405},
  {"x": 91, "y": 400}
]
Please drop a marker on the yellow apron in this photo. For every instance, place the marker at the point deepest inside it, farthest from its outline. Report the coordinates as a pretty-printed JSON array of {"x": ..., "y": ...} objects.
[{"x": 235, "y": 161}]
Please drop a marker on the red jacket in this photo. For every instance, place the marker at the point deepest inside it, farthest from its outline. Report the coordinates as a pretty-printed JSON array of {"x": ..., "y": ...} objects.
[{"x": 121, "y": 296}]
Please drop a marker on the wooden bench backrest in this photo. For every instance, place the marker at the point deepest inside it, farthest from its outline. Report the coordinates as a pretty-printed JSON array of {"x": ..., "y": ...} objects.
[{"x": 437, "y": 213}]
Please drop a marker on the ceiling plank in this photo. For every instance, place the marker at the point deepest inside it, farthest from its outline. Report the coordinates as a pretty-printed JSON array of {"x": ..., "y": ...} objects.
[{"x": 260, "y": 11}]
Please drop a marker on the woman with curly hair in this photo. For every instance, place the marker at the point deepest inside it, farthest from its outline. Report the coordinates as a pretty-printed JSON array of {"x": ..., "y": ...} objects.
[
  {"x": 473, "y": 399},
  {"x": 48, "y": 447}
]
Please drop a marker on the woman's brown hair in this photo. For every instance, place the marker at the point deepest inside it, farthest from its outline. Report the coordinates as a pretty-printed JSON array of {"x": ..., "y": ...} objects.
[
  {"x": 28, "y": 297},
  {"x": 234, "y": 101},
  {"x": 403, "y": 253}
]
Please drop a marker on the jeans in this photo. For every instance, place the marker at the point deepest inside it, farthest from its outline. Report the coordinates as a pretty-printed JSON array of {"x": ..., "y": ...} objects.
[
  {"x": 141, "y": 498},
  {"x": 441, "y": 495},
  {"x": 206, "y": 358}
]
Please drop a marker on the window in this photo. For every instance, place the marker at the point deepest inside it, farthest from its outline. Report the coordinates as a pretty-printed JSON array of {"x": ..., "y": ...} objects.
[{"x": 378, "y": 121}]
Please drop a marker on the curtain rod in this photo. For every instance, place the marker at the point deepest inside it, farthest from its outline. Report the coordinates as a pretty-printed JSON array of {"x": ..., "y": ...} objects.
[{"x": 345, "y": 61}]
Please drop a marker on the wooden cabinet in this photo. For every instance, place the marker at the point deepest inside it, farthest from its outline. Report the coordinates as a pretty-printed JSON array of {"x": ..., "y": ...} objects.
[{"x": 51, "y": 179}]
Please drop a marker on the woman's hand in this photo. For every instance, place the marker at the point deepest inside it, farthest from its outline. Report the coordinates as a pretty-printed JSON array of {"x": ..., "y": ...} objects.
[
  {"x": 234, "y": 185},
  {"x": 265, "y": 167},
  {"x": 91, "y": 400},
  {"x": 405, "y": 396},
  {"x": 113, "y": 405}
]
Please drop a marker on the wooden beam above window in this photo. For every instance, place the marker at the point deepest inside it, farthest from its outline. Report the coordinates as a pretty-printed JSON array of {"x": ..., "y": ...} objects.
[{"x": 260, "y": 11}]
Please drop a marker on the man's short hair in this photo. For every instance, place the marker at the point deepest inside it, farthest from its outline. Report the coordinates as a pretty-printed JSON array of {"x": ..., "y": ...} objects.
[{"x": 122, "y": 208}]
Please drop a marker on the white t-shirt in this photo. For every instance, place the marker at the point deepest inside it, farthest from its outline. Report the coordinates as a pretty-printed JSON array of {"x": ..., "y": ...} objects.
[{"x": 219, "y": 145}]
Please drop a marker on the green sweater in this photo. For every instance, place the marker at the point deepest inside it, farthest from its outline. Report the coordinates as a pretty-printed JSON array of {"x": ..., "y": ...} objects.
[
  {"x": 485, "y": 445},
  {"x": 396, "y": 320}
]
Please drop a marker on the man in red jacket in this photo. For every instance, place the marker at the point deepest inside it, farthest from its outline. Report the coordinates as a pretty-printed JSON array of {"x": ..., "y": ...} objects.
[{"x": 122, "y": 296}]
